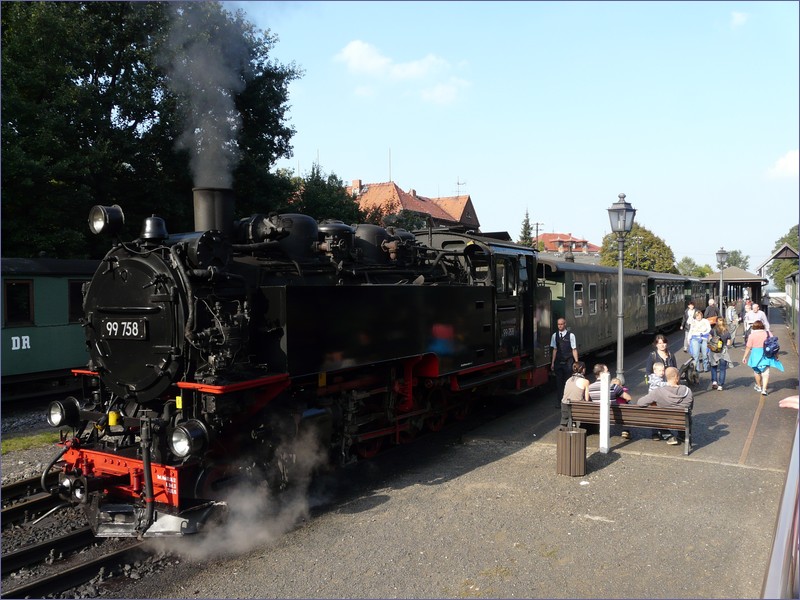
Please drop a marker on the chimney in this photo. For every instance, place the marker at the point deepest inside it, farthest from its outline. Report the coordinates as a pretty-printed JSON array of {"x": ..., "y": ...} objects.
[
  {"x": 412, "y": 193},
  {"x": 356, "y": 186},
  {"x": 213, "y": 209}
]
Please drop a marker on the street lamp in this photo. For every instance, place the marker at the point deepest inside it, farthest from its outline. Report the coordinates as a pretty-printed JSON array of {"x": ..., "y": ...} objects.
[
  {"x": 722, "y": 258},
  {"x": 621, "y": 215}
]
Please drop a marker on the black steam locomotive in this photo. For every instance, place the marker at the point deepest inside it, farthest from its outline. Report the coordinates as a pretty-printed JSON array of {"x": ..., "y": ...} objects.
[{"x": 228, "y": 352}]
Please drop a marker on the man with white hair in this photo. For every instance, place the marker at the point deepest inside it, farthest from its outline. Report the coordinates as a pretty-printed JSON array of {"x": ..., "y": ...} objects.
[{"x": 756, "y": 314}]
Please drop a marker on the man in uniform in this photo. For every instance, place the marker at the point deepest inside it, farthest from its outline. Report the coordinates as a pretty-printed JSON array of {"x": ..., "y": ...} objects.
[{"x": 564, "y": 353}]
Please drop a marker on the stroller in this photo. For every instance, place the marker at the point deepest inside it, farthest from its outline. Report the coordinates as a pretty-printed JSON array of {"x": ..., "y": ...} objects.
[{"x": 688, "y": 373}]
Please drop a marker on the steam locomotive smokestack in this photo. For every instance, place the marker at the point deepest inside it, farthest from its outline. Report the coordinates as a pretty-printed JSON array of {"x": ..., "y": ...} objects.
[{"x": 214, "y": 209}]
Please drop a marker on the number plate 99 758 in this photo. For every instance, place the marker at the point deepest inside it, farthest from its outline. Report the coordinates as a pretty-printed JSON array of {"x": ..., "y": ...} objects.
[{"x": 124, "y": 329}]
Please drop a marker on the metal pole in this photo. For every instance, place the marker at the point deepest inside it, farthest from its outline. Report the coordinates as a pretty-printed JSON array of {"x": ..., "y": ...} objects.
[
  {"x": 720, "y": 293},
  {"x": 620, "y": 310}
]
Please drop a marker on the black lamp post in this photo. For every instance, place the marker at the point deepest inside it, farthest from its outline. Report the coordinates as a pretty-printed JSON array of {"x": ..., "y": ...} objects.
[
  {"x": 621, "y": 215},
  {"x": 722, "y": 258}
]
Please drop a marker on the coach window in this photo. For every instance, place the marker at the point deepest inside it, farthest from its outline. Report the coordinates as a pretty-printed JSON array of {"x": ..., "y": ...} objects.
[
  {"x": 643, "y": 294},
  {"x": 75, "y": 300},
  {"x": 18, "y": 302},
  {"x": 577, "y": 295},
  {"x": 592, "y": 298}
]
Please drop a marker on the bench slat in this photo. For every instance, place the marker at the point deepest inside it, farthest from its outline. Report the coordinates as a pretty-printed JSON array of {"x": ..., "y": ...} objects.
[{"x": 631, "y": 415}]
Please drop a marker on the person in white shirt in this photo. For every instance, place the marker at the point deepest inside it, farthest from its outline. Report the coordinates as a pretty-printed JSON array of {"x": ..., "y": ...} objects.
[{"x": 563, "y": 355}]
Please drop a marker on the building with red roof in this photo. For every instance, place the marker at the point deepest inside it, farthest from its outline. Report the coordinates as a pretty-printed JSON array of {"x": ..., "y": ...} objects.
[{"x": 447, "y": 211}]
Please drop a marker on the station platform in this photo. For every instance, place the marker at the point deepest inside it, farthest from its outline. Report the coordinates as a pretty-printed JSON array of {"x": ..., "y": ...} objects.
[{"x": 702, "y": 525}]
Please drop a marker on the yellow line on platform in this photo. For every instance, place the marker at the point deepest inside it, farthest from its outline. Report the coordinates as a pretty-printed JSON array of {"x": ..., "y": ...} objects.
[{"x": 752, "y": 432}]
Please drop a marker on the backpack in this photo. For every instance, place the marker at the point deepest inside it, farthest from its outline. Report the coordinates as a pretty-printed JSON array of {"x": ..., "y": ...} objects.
[
  {"x": 715, "y": 344},
  {"x": 771, "y": 346}
]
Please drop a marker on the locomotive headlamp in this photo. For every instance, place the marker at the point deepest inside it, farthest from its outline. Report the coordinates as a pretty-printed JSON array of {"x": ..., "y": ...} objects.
[
  {"x": 106, "y": 219},
  {"x": 188, "y": 438},
  {"x": 64, "y": 413}
]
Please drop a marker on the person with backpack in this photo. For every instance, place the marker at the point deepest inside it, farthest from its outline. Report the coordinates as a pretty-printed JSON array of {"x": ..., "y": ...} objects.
[
  {"x": 757, "y": 359},
  {"x": 718, "y": 356}
]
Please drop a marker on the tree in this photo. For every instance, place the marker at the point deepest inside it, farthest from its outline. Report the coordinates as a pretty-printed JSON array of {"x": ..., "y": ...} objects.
[
  {"x": 653, "y": 252},
  {"x": 325, "y": 197},
  {"x": 687, "y": 267},
  {"x": 779, "y": 269},
  {"x": 103, "y": 116},
  {"x": 737, "y": 259},
  {"x": 525, "y": 238}
]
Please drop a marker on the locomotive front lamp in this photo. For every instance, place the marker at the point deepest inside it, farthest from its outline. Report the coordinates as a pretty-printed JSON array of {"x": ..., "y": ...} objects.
[
  {"x": 106, "y": 219},
  {"x": 64, "y": 413},
  {"x": 188, "y": 438},
  {"x": 621, "y": 215}
]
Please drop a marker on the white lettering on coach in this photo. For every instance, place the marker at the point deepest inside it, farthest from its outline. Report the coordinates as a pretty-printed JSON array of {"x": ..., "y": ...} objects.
[{"x": 20, "y": 342}]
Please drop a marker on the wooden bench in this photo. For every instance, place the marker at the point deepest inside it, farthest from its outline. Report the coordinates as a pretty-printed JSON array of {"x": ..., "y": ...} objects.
[{"x": 631, "y": 415}]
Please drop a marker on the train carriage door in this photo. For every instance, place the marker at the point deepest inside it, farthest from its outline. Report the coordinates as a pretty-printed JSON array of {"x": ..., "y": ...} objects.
[
  {"x": 606, "y": 317},
  {"x": 541, "y": 326},
  {"x": 507, "y": 307}
]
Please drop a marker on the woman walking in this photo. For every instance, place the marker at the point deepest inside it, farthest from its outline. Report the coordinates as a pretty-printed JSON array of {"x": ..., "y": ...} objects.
[
  {"x": 698, "y": 340},
  {"x": 719, "y": 359},
  {"x": 755, "y": 359}
]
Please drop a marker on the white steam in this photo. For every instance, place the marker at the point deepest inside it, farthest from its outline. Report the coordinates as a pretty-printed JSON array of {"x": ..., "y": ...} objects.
[{"x": 205, "y": 60}]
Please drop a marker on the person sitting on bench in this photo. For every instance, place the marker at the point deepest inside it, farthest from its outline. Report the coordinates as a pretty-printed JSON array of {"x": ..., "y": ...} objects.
[{"x": 672, "y": 395}]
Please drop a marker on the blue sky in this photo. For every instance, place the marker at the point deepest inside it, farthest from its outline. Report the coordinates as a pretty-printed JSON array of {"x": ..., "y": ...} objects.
[{"x": 689, "y": 108}]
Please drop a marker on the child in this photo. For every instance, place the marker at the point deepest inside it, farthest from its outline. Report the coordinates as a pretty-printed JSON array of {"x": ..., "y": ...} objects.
[
  {"x": 656, "y": 379},
  {"x": 618, "y": 383}
]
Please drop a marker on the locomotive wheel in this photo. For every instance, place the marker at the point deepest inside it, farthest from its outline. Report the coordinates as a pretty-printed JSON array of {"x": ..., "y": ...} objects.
[
  {"x": 463, "y": 411},
  {"x": 437, "y": 400},
  {"x": 369, "y": 448}
]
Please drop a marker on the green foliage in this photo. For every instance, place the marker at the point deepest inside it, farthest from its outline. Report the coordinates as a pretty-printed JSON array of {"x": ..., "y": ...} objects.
[
  {"x": 98, "y": 95},
  {"x": 325, "y": 197},
  {"x": 643, "y": 250},
  {"x": 737, "y": 259},
  {"x": 779, "y": 269},
  {"x": 525, "y": 235}
]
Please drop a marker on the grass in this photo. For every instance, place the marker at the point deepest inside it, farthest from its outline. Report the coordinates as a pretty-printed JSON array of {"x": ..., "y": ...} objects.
[{"x": 29, "y": 441}]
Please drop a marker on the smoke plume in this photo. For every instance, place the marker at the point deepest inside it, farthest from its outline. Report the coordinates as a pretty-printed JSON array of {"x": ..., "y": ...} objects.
[{"x": 205, "y": 59}]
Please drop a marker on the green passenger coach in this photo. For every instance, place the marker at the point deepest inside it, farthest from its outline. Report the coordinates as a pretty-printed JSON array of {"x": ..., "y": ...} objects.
[{"x": 42, "y": 334}]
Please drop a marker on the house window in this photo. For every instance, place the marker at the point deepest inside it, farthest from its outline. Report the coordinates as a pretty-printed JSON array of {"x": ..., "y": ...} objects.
[
  {"x": 592, "y": 298},
  {"x": 577, "y": 295},
  {"x": 18, "y": 302}
]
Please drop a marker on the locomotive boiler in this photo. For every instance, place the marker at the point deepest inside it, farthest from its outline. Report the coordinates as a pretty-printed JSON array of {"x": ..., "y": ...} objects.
[{"x": 234, "y": 351}]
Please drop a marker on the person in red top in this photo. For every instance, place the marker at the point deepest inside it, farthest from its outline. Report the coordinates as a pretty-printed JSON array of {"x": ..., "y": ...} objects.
[{"x": 755, "y": 359}]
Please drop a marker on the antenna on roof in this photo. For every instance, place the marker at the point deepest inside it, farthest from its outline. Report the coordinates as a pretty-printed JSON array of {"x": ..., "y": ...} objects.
[
  {"x": 459, "y": 183},
  {"x": 390, "y": 163}
]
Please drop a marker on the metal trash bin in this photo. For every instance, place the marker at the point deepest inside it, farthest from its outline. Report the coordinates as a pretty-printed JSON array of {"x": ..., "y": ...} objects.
[{"x": 571, "y": 451}]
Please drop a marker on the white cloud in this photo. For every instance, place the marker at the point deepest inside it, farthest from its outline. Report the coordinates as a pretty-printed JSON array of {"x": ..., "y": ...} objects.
[
  {"x": 365, "y": 60},
  {"x": 785, "y": 166},
  {"x": 738, "y": 19},
  {"x": 444, "y": 93}
]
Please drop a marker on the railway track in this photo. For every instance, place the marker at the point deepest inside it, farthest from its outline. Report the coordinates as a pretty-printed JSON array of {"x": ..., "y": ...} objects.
[
  {"x": 72, "y": 575},
  {"x": 22, "y": 502},
  {"x": 60, "y": 562}
]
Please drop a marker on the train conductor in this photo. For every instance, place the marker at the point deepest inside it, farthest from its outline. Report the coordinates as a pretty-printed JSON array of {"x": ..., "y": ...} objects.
[{"x": 564, "y": 354}]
